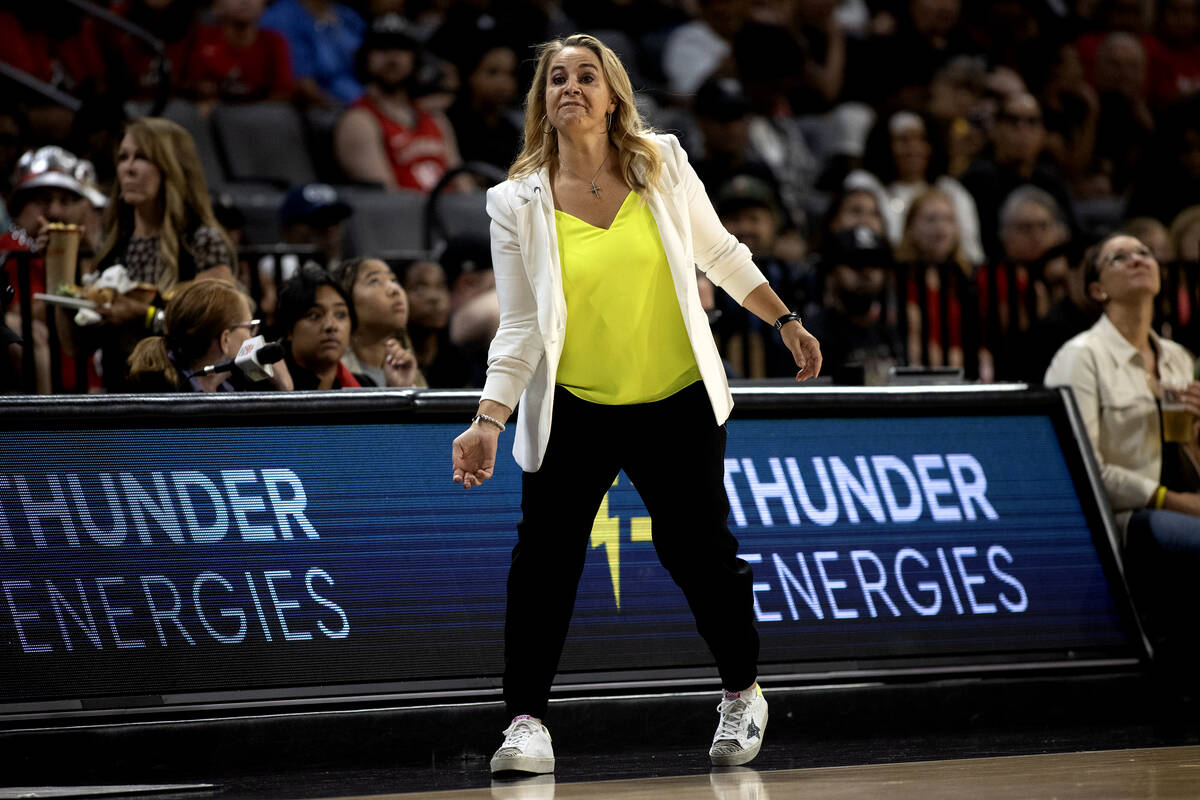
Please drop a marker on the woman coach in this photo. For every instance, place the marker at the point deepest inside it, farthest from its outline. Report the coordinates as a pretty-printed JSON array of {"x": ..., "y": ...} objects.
[{"x": 602, "y": 338}]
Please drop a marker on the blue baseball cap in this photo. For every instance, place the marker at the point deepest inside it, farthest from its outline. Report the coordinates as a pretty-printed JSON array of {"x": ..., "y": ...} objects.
[{"x": 315, "y": 204}]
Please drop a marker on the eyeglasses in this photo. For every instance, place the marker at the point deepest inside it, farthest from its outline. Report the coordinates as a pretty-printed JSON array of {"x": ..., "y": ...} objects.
[
  {"x": 252, "y": 325},
  {"x": 1124, "y": 256}
]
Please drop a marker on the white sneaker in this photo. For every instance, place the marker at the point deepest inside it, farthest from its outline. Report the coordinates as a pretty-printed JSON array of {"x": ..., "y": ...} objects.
[
  {"x": 740, "y": 733},
  {"x": 526, "y": 748}
]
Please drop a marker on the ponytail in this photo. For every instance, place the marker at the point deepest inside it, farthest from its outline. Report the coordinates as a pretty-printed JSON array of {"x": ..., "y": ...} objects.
[{"x": 150, "y": 358}]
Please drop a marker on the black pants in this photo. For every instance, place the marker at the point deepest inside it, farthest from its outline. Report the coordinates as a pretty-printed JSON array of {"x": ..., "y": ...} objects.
[{"x": 673, "y": 451}]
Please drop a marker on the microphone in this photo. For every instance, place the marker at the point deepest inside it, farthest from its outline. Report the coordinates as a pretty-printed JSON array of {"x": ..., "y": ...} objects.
[{"x": 253, "y": 359}]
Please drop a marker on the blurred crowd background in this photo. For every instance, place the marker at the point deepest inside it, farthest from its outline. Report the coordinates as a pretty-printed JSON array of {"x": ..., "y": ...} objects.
[{"x": 918, "y": 178}]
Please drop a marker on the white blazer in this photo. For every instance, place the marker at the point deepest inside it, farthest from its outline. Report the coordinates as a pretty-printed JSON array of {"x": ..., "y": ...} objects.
[{"x": 523, "y": 359}]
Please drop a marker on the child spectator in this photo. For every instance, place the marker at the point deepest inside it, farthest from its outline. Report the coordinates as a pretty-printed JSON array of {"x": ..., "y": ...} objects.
[
  {"x": 380, "y": 353},
  {"x": 317, "y": 318}
]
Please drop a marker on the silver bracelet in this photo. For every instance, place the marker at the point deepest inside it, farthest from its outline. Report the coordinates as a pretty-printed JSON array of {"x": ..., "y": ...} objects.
[{"x": 486, "y": 418}]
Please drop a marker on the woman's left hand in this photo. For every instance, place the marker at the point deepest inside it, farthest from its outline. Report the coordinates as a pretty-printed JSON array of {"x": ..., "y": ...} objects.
[{"x": 805, "y": 349}]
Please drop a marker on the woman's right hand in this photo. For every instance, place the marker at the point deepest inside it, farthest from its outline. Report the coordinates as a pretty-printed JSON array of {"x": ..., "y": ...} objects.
[{"x": 474, "y": 454}]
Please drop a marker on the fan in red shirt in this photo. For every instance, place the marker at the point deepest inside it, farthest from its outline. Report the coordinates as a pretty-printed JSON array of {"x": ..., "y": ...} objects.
[
  {"x": 52, "y": 45},
  {"x": 133, "y": 64},
  {"x": 235, "y": 61},
  {"x": 50, "y": 185},
  {"x": 384, "y": 137}
]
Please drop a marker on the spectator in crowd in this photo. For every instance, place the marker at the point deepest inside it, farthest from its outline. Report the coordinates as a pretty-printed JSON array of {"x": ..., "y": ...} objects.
[
  {"x": 1153, "y": 234},
  {"x": 317, "y": 319},
  {"x": 1118, "y": 370},
  {"x": 1178, "y": 72},
  {"x": 234, "y": 61},
  {"x": 380, "y": 353},
  {"x": 816, "y": 27},
  {"x": 749, "y": 210},
  {"x": 443, "y": 363},
  {"x": 1126, "y": 123},
  {"x": 49, "y": 185},
  {"x": 1073, "y": 313},
  {"x": 323, "y": 38},
  {"x": 161, "y": 228},
  {"x": 1018, "y": 139},
  {"x": 859, "y": 344},
  {"x": 206, "y": 322},
  {"x": 935, "y": 275},
  {"x": 770, "y": 64},
  {"x": 1185, "y": 235},
  {"x": 1180, "y": 312},
  {"x": 703, "y": 47},
  {"x": 384, "y": 138},
  {"x": 474, "y": 304},
  {"x": 311, "y": 216},
  {"x": 485, "y": 125},
  {"x": 52, "y": 45},
  {"x": 722, "y": 113},
  {"x": 1168, "y": 178},
  {"x": 853, "y": 207},
  {"x": 1030, "y": 276},
  {"x": 904, "y": 158},
  {"x": 928, "y": 33},
  {"x": 1070, "y": 113},
  {"x": 136, "y": 72},
  {"x": 955, "y": 106}
]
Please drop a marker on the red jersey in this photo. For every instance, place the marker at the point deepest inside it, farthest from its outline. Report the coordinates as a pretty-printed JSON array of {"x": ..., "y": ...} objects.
[
  {"x": 418, "y": 155},
  {"x": 260, "y": 71},
  {"x": 18, "y": 240}
]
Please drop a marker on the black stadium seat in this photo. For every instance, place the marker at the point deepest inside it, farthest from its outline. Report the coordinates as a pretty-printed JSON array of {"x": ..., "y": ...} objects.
[
  {"x": 385, "y": 223},
  {"x": 263, "y": 142}
]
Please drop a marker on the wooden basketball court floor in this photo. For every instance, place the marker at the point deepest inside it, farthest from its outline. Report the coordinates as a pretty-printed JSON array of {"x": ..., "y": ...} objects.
[{"x": 1162, "y": 773}]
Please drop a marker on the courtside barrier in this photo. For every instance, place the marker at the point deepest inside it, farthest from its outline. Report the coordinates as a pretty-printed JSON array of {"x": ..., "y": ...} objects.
[{"x": 168, "y": 552}]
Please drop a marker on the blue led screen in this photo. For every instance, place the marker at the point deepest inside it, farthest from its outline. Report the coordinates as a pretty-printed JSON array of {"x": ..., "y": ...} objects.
[{"x": 183, "y": 560}]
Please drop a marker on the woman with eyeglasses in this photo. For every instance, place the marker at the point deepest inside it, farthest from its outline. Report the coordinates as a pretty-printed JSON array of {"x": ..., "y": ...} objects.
[
  {"x": 1132, "y": 386},
  {"x": 206, "y": 323}
]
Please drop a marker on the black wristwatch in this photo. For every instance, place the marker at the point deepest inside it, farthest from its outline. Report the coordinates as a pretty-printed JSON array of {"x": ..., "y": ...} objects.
[{"x": 791, "y": 316}]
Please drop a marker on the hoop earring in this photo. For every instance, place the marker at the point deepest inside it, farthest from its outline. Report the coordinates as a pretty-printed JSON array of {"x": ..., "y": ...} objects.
[
  {"x": 608, "y": 120},
  {"x": 547, "y": 128}
]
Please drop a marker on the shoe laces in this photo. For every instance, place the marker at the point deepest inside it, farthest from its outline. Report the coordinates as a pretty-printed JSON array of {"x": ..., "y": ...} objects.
[
  {"x": 519, "y": 732},
  {"x": 731, "y": 712}
]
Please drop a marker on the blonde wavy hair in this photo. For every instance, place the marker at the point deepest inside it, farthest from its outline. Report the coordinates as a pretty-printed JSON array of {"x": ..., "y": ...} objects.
[
  {"x": 182, "y": 197},
  {"x": 639, "y": 159}
]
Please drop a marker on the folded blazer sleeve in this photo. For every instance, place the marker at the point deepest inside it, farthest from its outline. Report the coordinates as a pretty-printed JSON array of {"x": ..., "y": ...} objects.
[
  {"x": 517, "y": 347},
  {"x": 726, "y": 261}
]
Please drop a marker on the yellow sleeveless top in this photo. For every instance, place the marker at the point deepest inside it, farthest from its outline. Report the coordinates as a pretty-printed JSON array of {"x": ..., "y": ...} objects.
[{"x": 625, "y": 340}]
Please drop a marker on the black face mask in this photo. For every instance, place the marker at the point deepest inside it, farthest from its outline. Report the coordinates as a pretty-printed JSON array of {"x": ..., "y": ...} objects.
[{"x": 855, "y": 303}]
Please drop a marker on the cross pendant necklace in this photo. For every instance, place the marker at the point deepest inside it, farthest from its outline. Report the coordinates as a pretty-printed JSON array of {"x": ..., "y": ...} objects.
[{"x": 593, "y": 188}]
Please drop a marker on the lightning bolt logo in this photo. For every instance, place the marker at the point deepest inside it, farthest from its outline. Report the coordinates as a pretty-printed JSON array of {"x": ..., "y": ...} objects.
[{"x": 606, "y": 533}]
